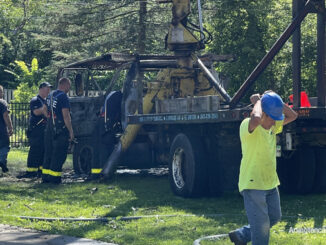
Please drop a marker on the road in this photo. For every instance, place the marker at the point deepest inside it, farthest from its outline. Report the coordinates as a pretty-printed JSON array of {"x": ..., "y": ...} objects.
[{"x": 12, "y": 235}]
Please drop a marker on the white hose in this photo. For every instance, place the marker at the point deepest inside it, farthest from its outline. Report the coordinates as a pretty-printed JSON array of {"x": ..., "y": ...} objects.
[{"x": 212, "y": 238}]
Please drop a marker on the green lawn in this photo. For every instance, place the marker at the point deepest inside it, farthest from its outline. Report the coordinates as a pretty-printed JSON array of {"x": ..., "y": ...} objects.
[{"x": 138, "y": 195}]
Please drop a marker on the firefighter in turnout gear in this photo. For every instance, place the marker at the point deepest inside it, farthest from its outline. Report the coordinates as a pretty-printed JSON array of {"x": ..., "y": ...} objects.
[
  {"x": 108, "y": 126},
  {"x": 35, "y": 132},
  {"x": 58, "y": 132}
]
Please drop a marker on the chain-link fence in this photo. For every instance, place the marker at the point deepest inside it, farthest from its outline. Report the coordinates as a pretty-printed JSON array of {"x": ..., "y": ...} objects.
[{"x": 19, "y": 113}]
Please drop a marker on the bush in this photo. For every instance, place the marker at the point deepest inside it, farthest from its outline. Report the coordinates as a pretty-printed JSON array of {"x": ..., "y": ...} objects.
[{"x": 28, "y": 80}]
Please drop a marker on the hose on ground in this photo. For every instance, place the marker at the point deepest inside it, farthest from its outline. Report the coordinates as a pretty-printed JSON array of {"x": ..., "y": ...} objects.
[
  {"x": 102, "y": 219},
  {"x": 196, "y": 242},
  {"x": 212, "y": 238},
  {"x": 128, "y": 218}
]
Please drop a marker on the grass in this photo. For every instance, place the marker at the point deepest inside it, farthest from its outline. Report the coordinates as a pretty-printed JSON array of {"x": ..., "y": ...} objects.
[{"x": 136, "y": 195}]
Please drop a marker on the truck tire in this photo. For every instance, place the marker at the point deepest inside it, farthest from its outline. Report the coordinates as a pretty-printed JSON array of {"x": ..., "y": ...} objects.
[
  {"x": 320, "y": 179},
  {"x": 83, "y": 156},
  {"x": 187, "y": 172},
  {"x": 298, "y": 172}
]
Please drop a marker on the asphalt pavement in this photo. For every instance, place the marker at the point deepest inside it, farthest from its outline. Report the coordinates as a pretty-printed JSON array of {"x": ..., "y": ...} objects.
[{"x": 12, "y": 235}]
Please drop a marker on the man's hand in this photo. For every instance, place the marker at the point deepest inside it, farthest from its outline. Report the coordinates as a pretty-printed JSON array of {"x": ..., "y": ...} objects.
[
  {"x": 67, "y": 120},
  {"x": 45, "y": 110},
  {"x": 8, "y": 122},
  {"x": 10, "y": 131},
  {"x": 289, "y": 114},
  {"x": 71, "y": 136},
  {"x": 41, "y": 111},
  {"x": 254, "y": 98}
]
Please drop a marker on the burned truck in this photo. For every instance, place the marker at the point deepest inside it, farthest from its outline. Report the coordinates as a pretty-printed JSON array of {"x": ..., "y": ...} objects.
[{"x": 175, "y": 112}]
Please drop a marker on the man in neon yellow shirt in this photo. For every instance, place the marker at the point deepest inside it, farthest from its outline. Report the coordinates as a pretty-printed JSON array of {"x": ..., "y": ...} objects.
[{"x": 258, "y": 179}]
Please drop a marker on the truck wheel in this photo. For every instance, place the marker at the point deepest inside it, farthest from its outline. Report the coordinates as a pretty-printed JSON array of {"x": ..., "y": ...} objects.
[
  {"x": 320, "y": 179},
  {"x": 300, "y": 172},
  {"x": 83, "y": 156},
  {"x": 187, "y": 173}
]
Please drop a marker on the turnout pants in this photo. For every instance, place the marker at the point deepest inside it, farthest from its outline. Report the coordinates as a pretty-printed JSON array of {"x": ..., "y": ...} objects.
[
  {"x": 56, "y": 149},
  {"x": 105, "y": 146},
  {"x": 36, "y": 150}
]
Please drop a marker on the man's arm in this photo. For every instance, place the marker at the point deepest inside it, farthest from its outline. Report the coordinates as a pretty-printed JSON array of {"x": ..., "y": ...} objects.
[
  {"x": 256, "y": 114},
  {"x": 41, "y": 111},
  {"x": 289, "y": 114},
  {"x": 67, "y": 120},
  {"x": 8, "y": 122}
]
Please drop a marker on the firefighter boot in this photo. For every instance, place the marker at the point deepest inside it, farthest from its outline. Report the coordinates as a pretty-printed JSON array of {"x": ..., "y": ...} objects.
[
  {"x": 27, "y": 175},
  {"x": 94, "y": 177},
  {"x": 55, "y": 180},
  {"x": 39, "y": 173}
]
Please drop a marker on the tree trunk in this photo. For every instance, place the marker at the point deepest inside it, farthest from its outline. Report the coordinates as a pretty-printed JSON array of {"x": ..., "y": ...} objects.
[{"x": 142, "y": 26}]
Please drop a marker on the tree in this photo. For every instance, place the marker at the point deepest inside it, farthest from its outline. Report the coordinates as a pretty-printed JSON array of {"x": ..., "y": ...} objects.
[
  {"x": 248, "y": 29},
  {"x": 60, "y": 32},
  {"x": 76, "y": 30},
  {"x": 241, "y": 28},
  {"x": 16, "y": 42},
  {"x": 6, "y": 55},
  {"x": 28, "y": 80}
]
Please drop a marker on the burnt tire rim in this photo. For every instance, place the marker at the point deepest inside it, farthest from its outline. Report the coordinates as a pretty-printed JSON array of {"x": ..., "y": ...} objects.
[{"x": 178, "y": 163}]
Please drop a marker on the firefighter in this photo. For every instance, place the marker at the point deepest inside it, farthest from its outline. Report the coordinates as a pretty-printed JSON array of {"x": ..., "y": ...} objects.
[
  {"x": 258, "y": 180},
  {"x": 6, "y": 130},
  {"x": 35, "y": 132},
  {"x": 58, "y": 132},
  {"x": 109, "y": 124}
]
